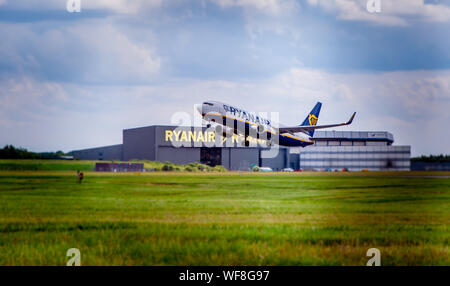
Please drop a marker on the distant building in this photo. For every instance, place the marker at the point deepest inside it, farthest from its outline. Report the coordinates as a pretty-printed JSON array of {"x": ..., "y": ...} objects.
[
  {"x": 333, "y": 150},
  {"x": 352, "y": 150},
  {"x": 157, "y": 143},
  {"x": 109, "y": 153},
  {"x": 430, "y": 166}
]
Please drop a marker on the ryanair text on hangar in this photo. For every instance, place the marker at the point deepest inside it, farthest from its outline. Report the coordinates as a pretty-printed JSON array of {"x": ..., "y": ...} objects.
[
  {"x": 187, "y": 136},
  {"x": 190, "y": 136}
]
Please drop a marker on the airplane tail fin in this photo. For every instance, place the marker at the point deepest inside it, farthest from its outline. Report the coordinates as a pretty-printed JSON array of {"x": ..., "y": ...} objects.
[{"x": 312, "y": 118}]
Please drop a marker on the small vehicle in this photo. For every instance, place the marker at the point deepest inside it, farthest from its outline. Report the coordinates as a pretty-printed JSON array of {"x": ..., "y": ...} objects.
[
  {"x": 287, "y": 170},
  {"x": 265, "y": 169}
]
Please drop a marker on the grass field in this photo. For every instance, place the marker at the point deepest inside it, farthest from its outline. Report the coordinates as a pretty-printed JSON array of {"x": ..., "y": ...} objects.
[
  {"x": 58, "y": 165},
  {"x": 224, "y": 219}
]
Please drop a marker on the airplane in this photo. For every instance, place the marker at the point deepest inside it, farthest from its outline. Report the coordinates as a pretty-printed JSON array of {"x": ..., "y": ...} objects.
[{"x": 228, "y": 120}]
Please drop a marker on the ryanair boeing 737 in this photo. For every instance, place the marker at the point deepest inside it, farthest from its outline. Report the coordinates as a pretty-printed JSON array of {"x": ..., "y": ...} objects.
[{"x": 228, "y": 120}]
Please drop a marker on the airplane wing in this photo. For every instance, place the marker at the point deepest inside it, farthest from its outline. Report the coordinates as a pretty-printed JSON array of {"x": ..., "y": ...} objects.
[{"x": 295, "y": 129}]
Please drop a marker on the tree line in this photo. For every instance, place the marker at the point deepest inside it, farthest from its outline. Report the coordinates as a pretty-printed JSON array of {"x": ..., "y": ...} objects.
[
  {"x": 432, "y": 158},
  {"x": 11, "y": 152}
]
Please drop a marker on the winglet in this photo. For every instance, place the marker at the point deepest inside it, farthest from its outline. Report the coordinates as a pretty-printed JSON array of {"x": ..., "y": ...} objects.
[{"x": 351, "y": 119}]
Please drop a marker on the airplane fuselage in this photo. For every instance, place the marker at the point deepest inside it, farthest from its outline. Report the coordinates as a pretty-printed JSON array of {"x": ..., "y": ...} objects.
[{"x": 228, "y": 119}]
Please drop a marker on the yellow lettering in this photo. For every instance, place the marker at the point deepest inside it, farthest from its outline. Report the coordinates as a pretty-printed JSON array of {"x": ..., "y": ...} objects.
[
  {"x": 192, "y": 136},
  {"x": 200, "y": 135},
  {"x": 176, "y": 134},
  {"x": 212, "y": 136},
  {"x": 168, "y": 135},
  {"x": 183, "y": 135}
]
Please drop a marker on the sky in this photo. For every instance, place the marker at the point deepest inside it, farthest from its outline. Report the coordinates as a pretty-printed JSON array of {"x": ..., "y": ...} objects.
[{"x": 74, "y": 80}]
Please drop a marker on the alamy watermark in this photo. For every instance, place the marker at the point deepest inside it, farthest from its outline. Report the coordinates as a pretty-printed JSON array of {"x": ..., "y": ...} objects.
[
  {"x": 376, "y": 257},
  {"x": 373, "y": 6},
  {"x": 75, "y": 257},
  {"x": 73, "y": 6}
]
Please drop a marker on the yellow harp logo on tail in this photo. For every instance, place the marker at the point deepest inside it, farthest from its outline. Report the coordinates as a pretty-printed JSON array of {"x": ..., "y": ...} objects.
[{"x": 312, "y": 119}]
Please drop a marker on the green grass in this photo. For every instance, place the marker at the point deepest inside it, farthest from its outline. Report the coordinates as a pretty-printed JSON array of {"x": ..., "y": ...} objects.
[
  {"x": 60, "y": 165},
  {"x": 224, "y": 219},
  {"x": 45, "y": 165}
]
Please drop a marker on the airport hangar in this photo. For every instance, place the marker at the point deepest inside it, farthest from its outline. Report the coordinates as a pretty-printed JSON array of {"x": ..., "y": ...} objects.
[{"x": 333, "y": 150}]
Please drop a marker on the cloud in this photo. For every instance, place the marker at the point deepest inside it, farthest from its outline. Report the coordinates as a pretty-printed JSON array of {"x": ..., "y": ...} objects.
[
  {"x": 86, "y": 52},
  {"x": 266, "y": 16},
  {"x": 44, "y": 115},
  {"x": 411, "y": 104},
  {"x": 413, "y": 95},
  {"x": 241, "y": 39},
  {"x": 271, "y": 7},
  {"x": 116, "y": 6},
  {"x": 117, "y": 57},
  {"x": 393, "y": 12},
  {"x": 122, "y": 6}
]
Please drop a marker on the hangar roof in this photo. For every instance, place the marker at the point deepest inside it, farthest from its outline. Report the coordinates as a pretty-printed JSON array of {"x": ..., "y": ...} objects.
[{"x": 354, "y": 135}]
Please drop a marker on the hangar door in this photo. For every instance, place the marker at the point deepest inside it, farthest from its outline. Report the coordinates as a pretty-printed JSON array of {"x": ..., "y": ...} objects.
[{"x": 211, "y": 156}]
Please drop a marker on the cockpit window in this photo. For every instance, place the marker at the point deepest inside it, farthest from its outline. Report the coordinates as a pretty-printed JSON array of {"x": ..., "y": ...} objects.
[{"x": 207, "y": 103}]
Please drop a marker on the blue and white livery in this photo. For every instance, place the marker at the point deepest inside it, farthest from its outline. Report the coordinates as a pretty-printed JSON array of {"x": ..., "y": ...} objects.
[{"x": 228, "y": 120}]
